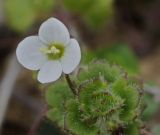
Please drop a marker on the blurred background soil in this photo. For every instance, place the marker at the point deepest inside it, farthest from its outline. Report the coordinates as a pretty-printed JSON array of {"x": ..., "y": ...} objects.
[{"x": 135, "y": 22}]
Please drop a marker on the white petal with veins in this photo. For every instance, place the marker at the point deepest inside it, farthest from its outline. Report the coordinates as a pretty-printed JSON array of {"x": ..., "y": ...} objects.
[
  {"x": 29, "y": 54},
  {"x": 50, "y": 72},
  {"x": 72, "y": 56},
  {"x": 54, "y": 31}
]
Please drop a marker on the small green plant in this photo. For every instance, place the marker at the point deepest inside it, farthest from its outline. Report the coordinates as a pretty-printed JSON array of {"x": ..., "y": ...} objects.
[
  {"x": 102, "y": 99},
  {"x": 105, "y": 102}
]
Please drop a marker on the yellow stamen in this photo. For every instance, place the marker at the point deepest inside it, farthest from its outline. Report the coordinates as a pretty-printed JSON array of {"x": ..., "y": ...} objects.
[{"x": 53, "y": 52}]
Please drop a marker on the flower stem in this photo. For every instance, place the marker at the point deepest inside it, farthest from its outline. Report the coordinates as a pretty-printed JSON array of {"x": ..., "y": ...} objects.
[{"x": 71, "y": 84}]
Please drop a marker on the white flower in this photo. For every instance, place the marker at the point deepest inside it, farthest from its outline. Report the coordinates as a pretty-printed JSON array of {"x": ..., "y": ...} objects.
[{"x": 51, "y": 52}]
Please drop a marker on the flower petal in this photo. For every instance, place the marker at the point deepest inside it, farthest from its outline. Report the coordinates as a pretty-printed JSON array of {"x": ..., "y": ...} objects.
[
  {"x": 54, "y": 31},
  {"x": 50, "y": 72},
  {"x": 29, "y": 54},
  {"x": 72, "y": 56}
]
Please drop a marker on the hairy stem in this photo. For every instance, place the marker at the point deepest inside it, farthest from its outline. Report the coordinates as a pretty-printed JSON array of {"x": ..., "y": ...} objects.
[{"x": 70, "y": 84}]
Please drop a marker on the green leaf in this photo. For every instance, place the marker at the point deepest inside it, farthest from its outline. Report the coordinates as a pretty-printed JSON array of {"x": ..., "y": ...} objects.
[
  {"x": 132, "y": 129},
  {"x": 121, "y": 54},
  {"x": 87, "y": 56},
  {"x": 57, "y": 97},
  {"x": 78, "y": 6},
  {"x": 74, "y": 122},
  {"x": 43, "y": 6},
  {"x": 130, "y": 96},
  {"x": 57, "y": 116},
  {"x": 151, "y": 107},
  {"x": 20, "y": 14},
  {"x": 57, "y": 94},
  {"x": 99, "y": 13},
  {"x": 95, "y": 69}
]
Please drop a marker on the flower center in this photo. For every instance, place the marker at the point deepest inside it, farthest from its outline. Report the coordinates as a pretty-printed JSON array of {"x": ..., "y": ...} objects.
[{"x": 53, "y": 51}]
